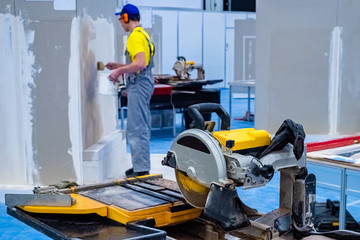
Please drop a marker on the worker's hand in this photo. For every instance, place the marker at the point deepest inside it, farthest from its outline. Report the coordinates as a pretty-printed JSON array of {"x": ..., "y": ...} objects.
[
  {"x": 114, "y": 76},
  {"x": 111, "y": 65}
]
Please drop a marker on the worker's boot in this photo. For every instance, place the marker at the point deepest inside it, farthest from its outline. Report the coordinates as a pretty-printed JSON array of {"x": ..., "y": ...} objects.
[{"x": 130, "y": 173}]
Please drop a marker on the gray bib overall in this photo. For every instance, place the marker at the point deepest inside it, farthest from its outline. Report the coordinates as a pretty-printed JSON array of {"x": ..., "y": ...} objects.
[{"x": 139, "y": 88}]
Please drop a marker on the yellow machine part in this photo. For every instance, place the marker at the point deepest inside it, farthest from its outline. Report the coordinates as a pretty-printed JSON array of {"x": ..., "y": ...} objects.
[
  {"x": 83, "y": 205},
  {"x": 244, "y": 138},
  {"x": 161, "y": 214}
]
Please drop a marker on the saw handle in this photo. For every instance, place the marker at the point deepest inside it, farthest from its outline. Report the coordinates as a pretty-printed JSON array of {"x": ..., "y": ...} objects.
[
  {"x": 195, "y": 111},
  {"x": 179, "y": 58}
]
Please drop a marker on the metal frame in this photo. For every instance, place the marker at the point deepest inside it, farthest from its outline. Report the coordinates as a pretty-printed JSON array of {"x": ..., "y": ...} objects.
[
  {"x": 249, "y": 85},
  {"x": 343, "y": 187}
]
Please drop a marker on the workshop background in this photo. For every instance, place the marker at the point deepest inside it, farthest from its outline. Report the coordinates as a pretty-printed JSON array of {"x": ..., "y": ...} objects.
[{"x": 55, "y": 126}]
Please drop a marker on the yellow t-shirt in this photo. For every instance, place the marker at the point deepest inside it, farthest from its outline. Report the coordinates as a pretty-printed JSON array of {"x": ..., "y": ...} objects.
[{"x": 137, "y": 43}]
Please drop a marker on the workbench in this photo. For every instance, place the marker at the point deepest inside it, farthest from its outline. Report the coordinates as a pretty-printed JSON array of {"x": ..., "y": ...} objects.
[
  {"x": 182, "y": 95},
  {"x": 318, "y": 154}
]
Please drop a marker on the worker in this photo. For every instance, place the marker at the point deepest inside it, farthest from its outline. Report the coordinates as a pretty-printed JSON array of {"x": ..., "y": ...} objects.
[{"x": 139, "y": 87}]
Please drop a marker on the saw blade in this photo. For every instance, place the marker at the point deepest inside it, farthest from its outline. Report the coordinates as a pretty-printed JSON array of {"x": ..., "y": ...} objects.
[{"x": 194, "y": 193}]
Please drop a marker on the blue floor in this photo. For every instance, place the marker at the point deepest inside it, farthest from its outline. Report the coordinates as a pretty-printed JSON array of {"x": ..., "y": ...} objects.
[
  {"x": 11, "y": 228},
  {"x": 264, "y": 199}
]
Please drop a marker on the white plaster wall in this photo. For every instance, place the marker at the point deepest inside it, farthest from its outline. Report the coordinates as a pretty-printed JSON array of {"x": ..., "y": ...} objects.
[
  {"x": 306, "y": 65},
  {"x": 92, "y": 40},
  {"x": 16, "y": 83},
  {"x": 49, "y": 102}
]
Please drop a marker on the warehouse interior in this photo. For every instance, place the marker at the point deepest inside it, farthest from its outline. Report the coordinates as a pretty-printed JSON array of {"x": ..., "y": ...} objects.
[{"x": 266, "y": 61}]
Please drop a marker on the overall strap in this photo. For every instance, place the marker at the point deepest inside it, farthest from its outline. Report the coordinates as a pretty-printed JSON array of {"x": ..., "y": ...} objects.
[{"x": 152, "y": 51}]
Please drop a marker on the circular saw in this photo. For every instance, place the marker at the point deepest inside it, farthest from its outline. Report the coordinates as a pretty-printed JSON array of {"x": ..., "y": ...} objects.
[
  {"x": 209, "y": 165},
  {"x": 183, "y": 67},
  {"x": 200, "y": 156}
]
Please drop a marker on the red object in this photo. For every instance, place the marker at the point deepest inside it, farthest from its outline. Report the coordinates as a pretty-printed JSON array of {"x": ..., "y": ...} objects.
[
  {"x": 340, "y": 142},
  {"x": 162, "y": 89}
]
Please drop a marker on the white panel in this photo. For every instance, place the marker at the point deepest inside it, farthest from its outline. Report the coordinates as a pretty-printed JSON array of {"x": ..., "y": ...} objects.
[
  {"x": 293, "y": 62},
  {"x": 230, "y": 41},
  {"x": 214, "y": 45},
  {"x": 251, "y": 16},
  {"x": 16, "y": 104},
  {"x": 168, "y": 49},
  {"x": 189, "y": 4},
  {"x": 230, "y": 58},
  {"x": 106, "y": 159},
  {"x": 190, "y": 36},
  {"x": 68, "y": 5},
  {"x": 231, "y": 17},
  {"x": 146, "y": 18}
]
